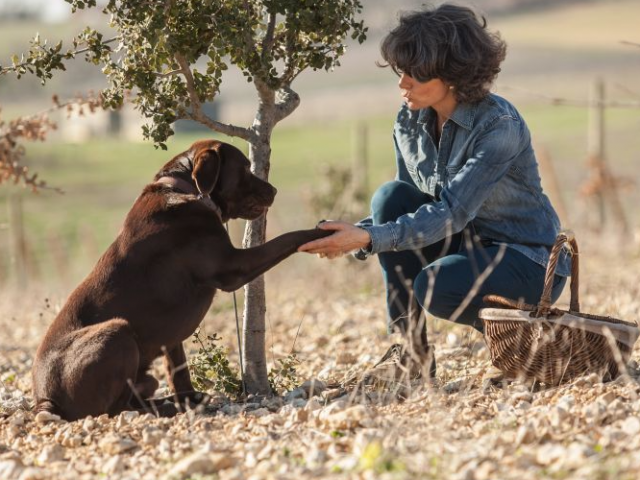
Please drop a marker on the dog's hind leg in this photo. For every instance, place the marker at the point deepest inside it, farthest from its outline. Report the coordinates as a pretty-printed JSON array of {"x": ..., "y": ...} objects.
[
  {"x": 178, "y": 378},
  {"x": 90, "y": 370}
]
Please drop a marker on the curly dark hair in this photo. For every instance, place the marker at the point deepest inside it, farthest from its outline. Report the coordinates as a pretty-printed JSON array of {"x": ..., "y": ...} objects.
[{"x": 448, "y": 42}]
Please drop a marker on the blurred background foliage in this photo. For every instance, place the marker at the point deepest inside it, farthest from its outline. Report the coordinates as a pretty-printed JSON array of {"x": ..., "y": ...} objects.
[{"x": 556, "y": 50}]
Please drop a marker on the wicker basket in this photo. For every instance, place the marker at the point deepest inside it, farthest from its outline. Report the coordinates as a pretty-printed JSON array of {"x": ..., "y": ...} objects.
[{"x": 552, "y": 345}]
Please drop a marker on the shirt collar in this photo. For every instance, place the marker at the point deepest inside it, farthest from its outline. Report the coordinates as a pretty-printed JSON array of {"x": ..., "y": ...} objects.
[{"x": 463, "y": 115}]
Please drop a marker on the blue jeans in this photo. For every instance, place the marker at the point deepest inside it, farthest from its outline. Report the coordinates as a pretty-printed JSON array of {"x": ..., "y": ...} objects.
[{"x": 438, "y": 278}]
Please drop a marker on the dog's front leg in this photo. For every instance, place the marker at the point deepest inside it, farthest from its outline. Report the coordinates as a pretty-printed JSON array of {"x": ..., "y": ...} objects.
[
  {"x": 178, "y": 378},
  {"x": 244, "y": 265}
]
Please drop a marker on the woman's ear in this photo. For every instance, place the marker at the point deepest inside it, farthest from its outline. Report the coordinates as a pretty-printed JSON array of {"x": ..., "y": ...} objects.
[{"x": 206, "y": 169}]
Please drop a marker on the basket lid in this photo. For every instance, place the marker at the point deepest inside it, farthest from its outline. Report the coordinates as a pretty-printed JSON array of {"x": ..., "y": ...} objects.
[{"x": 624, "y": 333}]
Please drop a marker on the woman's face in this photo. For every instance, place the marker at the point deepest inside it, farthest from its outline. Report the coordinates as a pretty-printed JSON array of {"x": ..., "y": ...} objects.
[{"x": 432, "y": 93}]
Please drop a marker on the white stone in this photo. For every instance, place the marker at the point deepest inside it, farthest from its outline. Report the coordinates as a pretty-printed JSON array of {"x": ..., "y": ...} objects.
[
  {"x": 315, "y": 457},
  {"x": 32, "y": 473},
  {"x": 151, "y": 436},
  {"x": 453, "y": 340},
  {"x": 576, "y": 455},
  {"x": 549, "y": 453},
  {"x": 558, "y": 416},
  {"x": 10, "y": 469},
  {"x": 114, "y": 444},
  {"x": 17, "y": 419},
  {"x": 50, "y": 454},
  {"x": 350, "y": 418},
  {"x": 631, "y": 426},
  {"x": 525, "y": 434},
  {"x": 313, "y": 404},
  {"x": 125, "y": 418},
  {"x": 88, "y": 424},
  {"x": 114, "y": 465}
]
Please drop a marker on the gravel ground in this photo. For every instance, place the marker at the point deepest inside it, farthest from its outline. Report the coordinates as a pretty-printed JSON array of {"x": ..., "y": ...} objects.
[{"x": 458, "y": 429}]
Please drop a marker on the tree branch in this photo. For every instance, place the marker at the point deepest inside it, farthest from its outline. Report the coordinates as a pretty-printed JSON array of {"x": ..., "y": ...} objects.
[
  {"x": 225, "y": 129},
  {"x": 197, "y": 115},
  {"x": 287, "y": 102},
  {"x": 196, "y": 104},
  {"x": 268, "y": 41},
  {"x": 168, "y": 74}
]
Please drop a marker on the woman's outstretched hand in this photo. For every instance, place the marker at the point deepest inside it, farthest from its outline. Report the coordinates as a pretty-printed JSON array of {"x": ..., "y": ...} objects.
[{"x": 347, "y": 238}]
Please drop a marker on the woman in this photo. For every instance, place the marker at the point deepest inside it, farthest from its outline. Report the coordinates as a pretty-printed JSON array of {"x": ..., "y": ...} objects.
[{"x": 467, "y": 202}]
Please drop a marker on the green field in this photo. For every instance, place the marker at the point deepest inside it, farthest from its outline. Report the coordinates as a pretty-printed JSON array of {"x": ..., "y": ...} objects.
[{"x": 102, "y": 178}]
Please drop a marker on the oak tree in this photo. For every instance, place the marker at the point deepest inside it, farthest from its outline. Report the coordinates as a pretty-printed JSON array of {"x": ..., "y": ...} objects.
[{"x": 167, "y": 57}]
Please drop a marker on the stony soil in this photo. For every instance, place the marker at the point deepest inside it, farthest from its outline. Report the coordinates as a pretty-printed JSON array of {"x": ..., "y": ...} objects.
[{"x": 458, "y": 429}]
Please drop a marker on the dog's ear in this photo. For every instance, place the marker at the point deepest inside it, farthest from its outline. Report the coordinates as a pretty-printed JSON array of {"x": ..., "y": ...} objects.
[{"x": 206, "y": 169}]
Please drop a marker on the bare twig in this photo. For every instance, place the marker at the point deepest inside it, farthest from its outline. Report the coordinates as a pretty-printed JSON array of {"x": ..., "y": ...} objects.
[{"x": 34, "y": 128}]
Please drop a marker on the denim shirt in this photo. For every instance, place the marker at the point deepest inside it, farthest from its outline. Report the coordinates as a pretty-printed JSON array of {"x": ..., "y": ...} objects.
[{"x": 483, "y": 171}]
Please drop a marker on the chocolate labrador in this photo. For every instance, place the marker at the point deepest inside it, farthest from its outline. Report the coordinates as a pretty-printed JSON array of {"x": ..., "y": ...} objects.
[{"x": 153, "y": 286}]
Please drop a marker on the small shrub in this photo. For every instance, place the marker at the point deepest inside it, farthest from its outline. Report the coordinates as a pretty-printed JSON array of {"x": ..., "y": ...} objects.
[
  {"x": 210, "y": 369},
  {"x": 283, "y": 376}
]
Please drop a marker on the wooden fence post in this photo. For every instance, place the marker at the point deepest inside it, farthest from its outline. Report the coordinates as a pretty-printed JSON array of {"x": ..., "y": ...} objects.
[
  {"x": 18, "y": 244},
  {"x": 601, "y": 185}
]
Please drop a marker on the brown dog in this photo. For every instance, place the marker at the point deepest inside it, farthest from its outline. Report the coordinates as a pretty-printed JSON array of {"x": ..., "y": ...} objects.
[{"x": 153, "y": 286}]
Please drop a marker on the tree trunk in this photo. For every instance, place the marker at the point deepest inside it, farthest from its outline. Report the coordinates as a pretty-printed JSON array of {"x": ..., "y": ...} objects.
[
  {"x": 269, "y": 113},
  {"x": 255, "y": 305}
]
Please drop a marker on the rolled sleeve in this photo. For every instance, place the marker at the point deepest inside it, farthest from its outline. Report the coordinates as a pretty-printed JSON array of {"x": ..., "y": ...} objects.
[{"x": 383, "y": 238}]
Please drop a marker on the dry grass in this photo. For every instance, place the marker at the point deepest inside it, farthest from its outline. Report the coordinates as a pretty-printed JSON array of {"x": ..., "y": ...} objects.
[{"x": 457, "y": 430}]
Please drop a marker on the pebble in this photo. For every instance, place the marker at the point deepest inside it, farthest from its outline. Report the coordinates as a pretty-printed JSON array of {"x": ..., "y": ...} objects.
[
  {"x": 525, "y": 434},
  {"x": 198, "y": 463},
  {"x": 313, "y": 387},
  {"x": 10, "y": 469},
  {"x": 114, "y": 444},
  {"x": 17, "y": 419},
  {"x": 32, "y": 473},
  {"x": 347, "y": 419},
  {"x": 151, "y": 436},
  {"x": 260, "y": 412},
  {"x": 126, "y": 418},
  {"x": 50, "y": 454},
  {"x": 313, "y": 404},
  {"x": 295, "y": 394},
  {"x": 631, "y": 426},
  {"x": 550, "y": 453},
  {"x": 231, "y": 409},
  {"x": 114, "y": 465}
]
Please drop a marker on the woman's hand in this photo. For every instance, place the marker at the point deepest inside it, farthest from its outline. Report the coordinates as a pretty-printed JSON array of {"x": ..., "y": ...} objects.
[{"x": 347, "y": 238}]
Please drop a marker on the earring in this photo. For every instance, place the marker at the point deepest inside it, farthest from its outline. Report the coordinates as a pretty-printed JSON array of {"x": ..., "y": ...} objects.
[{"x": 450, "y": 87}]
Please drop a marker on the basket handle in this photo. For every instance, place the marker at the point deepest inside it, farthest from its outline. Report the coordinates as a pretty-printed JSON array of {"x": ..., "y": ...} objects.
[{"x": 568, "y": 237}]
